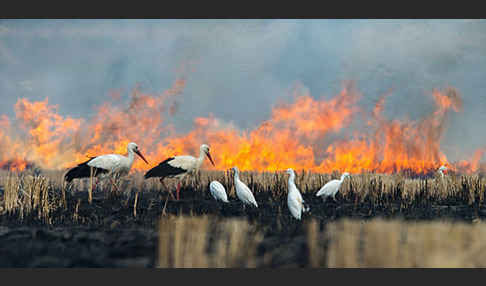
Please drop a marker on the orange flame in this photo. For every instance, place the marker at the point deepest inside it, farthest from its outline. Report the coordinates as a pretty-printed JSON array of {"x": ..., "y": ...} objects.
[{"x": 304, "y": 134}]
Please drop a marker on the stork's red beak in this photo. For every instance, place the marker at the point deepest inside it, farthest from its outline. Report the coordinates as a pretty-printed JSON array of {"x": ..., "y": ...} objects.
[
  {"x": 210, "y": 159},
  {"x": 141, "y": 156}
]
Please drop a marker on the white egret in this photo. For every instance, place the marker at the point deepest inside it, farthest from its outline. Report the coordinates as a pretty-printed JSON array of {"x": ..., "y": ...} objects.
[
  {"x": 218, "y": 192},
  {"x": 441, "y": 170},
  {"x": 294, "y": 198},
  {"x": 332, "y": 187},
  {"x": 242, "y": 191}
]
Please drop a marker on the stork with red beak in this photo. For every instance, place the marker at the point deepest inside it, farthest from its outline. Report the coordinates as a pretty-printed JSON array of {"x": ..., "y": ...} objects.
[
  {"x": 180, "y": 167},
  {"x": 113, "y": 165}
]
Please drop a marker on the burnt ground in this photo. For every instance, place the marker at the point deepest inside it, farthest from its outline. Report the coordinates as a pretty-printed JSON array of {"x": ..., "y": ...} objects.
[{"x": 107, "y": 234}]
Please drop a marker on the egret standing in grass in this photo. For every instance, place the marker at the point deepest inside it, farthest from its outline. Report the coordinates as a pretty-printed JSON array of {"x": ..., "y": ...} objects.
[
  {"x": 218, "y": 192},
  {"x": 242, "y": 191},
  {"x": 180, "y": 167},
  {"x": 332, "y": 187},
  {"x": 442, "y": 169},
  {"x": 294, "y": 198}
]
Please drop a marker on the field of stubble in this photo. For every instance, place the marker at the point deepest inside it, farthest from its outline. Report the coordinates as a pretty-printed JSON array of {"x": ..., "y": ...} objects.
[{"x": 377, "y": 221}]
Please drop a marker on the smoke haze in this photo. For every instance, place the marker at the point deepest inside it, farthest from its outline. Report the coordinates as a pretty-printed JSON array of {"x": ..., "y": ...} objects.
[{"x": 237, "y": 70}]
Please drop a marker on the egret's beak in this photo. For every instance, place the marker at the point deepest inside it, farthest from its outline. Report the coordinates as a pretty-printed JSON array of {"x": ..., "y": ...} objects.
[
  {"x": 210, "y": 159},
  {"x": 141, "y": 156}
]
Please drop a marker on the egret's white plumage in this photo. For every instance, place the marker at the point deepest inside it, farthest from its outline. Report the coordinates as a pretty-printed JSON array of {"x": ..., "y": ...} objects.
[
  {"x": 242, "y": 191},
  {"x": 332, "y": 187},
  {"x": 218, "y": 192},
  {"x": 441, "y": 170},
  {"x": 180, "y": 167},
  {"x": 294, "y": 198}
]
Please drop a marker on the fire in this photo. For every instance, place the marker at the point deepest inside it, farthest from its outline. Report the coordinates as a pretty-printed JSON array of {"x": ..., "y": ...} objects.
[
  {"x": 396, "y": 145},
  {"x": 14, "y": 165},
  {"x": 306, "y": 133}
]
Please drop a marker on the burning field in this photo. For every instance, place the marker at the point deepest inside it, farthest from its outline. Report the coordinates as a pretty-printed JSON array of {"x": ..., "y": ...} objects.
[
  {"x": 45, "y": 222},
  {"x": 393, "y": 165},
  {"x": 396, "y": 104},
  {"x": 308, "y": 134}
]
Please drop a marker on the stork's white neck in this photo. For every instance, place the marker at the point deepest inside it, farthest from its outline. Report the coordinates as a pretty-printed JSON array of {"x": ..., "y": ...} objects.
[
  {"x": 201, "y": 158},
  {"x": 130, "y": 156}
]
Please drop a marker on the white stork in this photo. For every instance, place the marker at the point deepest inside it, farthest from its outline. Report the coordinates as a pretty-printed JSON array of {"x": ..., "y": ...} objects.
[
  {"x": 113, "y": 164},
  {"x": 332, "y": 187},
  {"x": 294, "y": 198},
  {"x": 242, "y": 191},
  {"x": 218, "y": 192},
  {"x": 441, "y": 170},
  {"x": 179, "y": 167}
]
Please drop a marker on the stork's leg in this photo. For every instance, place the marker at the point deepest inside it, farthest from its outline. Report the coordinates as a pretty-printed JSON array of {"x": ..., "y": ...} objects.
[
  {"x": 165, "y": 187},
  {"x": 165, "y": 204},
  {"x": 90, "y": 192},
  {"x": 178, "y": 189},
  {"x": 96, "y": 183},
  {"x": 113, "y": 183},
  {"x": 194, "y": 180},
  {"x": 190, "y": 180}
]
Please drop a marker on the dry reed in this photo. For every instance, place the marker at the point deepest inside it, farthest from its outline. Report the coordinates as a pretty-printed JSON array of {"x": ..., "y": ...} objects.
[
  {"x": 28, "y": 194},
  {"x": 366, "y": 187},
  {"x": 207, "y": 241},
  {"x": 46, "y": 191},
  {"x": 395, "y": 243}
]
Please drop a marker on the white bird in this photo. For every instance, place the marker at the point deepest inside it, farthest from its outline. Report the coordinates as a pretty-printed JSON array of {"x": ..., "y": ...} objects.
[
  {"x": 294, "y": 198},
  {"x": 218, "y": 192},
  {"x": 442, "y": 169},
  {"x": 180, "y": 167},
  {"x": 242, "y": 191},
  {"x": 111, "y": 164},
  {"x": 332, "y": 187}
]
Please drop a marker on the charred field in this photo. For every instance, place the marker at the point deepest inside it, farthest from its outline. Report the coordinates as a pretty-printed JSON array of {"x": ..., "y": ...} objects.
[{"x": 46, "y": 223}]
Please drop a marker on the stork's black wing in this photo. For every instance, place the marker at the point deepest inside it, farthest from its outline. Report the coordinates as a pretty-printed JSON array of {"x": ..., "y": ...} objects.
[
  {"x": 83, "y": 171},
  {"x": 164, "y": 169}
]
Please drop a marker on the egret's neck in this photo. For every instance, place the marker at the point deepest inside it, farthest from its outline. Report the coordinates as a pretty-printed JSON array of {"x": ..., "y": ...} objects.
[
  {"x": 342, "y": 178},
  {"x": 237, "y": 176},
  {"x": 292, "y": 178}
]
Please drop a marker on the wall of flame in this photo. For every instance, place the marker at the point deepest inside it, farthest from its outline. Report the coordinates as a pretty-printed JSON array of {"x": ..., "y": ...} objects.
[{"x": 299, "y": 134}]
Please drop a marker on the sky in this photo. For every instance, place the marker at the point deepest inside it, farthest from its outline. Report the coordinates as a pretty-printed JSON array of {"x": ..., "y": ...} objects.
[{"x": 238, "y": 69}]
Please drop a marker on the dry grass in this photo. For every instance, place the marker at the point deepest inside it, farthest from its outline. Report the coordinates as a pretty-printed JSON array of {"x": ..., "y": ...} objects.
[
  {"x": 367, "y": 186},
  {"x": 11, "y": 193},
  {"x": 216, "y": 241},
  {"x": 45, "y": 192},
  {"x": 207, "y": 241},
  {"x": 382, "y": 243},
  {"x": 29, "y": 195}
]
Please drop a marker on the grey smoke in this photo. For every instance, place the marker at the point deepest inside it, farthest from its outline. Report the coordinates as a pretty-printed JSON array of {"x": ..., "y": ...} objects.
[{"x": 244, "y": 67}]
